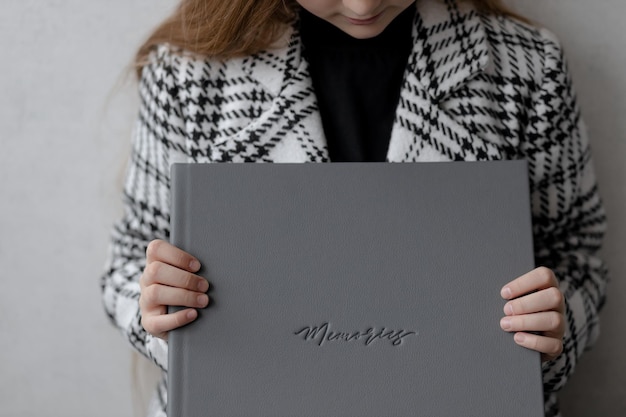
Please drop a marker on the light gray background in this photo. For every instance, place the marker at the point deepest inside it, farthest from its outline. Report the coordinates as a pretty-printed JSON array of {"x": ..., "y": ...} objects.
[{"x": 65, "y": 121}]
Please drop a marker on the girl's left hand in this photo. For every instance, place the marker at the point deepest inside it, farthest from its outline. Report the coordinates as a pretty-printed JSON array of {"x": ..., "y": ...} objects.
[{"x": 536, "y": 304}]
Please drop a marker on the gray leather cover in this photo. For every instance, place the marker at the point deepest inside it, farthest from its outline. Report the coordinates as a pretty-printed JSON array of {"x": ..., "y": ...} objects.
[{"x": 356, "y": 289}]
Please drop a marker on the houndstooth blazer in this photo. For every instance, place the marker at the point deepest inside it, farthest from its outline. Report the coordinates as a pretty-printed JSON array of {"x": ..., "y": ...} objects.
[{"x": 476, "y": 87}]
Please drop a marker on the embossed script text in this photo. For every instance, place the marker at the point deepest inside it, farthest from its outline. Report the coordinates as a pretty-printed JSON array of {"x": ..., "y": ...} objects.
[{"x": 324, "y": 334}]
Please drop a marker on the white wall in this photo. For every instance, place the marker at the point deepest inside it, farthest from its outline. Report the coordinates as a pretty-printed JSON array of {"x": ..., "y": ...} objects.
[
  {"x": 63, "y": 148},
  {"x": 64, "y": 134}
]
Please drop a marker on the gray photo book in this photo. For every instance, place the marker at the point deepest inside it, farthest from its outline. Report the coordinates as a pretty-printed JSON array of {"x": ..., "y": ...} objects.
[{"x": 353, "y": 289}]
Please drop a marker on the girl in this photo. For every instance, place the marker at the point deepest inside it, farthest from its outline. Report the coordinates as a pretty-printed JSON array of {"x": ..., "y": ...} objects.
[{"x": 361, "y": 80}]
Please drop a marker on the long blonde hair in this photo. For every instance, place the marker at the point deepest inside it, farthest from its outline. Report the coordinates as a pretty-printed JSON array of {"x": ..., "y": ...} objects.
[{"x": 225, "y": 29}]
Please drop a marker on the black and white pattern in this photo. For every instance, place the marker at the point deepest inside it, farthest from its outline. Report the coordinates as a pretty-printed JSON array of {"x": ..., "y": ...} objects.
[{"x": 477, "y": 87}]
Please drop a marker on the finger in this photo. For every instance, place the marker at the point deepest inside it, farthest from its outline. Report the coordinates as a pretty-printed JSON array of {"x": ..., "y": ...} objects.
[
  {"x": 550, "y": 347},
  {"x": 160, "y": 325},
  {"x": 545, "y": 300},
  {"x": 548, "y": 321},
  {"x": 537, "y": 279},
  {"x": 160, "y": 250},
  {"x": 158, "y": 295},
  {"x": 158, "y": 272}
]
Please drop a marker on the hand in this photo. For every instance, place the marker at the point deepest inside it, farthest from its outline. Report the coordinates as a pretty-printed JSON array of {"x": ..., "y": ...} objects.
[
  {"x": 169, "y": 280},
  {"x": 536, "y": 304}
]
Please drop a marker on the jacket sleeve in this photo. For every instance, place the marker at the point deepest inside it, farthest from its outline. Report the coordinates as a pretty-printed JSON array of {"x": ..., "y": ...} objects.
[
  {"x": 568, "y": 216},
  {"x": 157, "y": 138}
]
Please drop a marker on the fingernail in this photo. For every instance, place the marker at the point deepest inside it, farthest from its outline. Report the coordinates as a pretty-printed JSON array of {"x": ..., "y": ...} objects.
[
  {"x": 203, "y": 300},
  {"x": 519, "y": 337},
  {"x": 203, "y": 285},
  {"x": 508, "y": 309},
  {"x": 194, "y": 265},
  {"x": 506, "y": 293},
  {"x": 505, "y": 323},
  {"x": 191, "y": 314}
]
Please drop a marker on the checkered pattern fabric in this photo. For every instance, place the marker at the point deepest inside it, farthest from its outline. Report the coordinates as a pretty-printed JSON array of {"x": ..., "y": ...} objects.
[{"x": 477, "y": 87}]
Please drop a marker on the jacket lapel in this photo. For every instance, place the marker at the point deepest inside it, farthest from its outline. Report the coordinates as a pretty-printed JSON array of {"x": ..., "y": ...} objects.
[
  {"x": 450, "y": 49},
  {"x": 450, "y": 46},
  {"x": 292, "y": 127}
]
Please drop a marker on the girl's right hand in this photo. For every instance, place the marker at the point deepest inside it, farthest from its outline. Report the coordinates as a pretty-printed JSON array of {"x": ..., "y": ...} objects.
[{"x": 169, "y": 280}]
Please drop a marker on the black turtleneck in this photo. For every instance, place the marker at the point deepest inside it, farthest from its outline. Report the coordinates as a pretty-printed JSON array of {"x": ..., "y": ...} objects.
[{"x": 357, "y": 83}]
